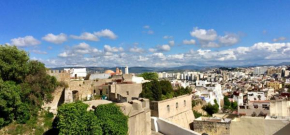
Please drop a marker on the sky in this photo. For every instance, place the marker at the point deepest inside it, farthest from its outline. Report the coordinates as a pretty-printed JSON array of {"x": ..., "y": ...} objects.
[{"x": 151, "y": 33}]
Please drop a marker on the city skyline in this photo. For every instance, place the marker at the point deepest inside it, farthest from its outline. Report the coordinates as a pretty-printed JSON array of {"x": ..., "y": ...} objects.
[{"x": 148, "y": 33}]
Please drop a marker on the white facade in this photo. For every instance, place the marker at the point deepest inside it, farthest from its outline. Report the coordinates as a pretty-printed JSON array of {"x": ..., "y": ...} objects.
[
  {"x": 77, "y": 72},
  {"x": 137, "y": 79},
  {"x": 126, "y": 70},
  {"x": 252, "y": 96}
]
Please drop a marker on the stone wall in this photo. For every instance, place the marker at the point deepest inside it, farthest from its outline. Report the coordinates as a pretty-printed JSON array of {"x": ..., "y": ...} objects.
[
  {"x": 280, "y": 108},
  {"x": 139, "y": 121},
  {"x": 212, "y": 128},
  {"x": 166, "y": 127},
  {"x": 177, "y": 110},
  {"x": 84, "y": 88},
  {"x": 60, "y": 75},
  {"x": 256, "y": 126}
]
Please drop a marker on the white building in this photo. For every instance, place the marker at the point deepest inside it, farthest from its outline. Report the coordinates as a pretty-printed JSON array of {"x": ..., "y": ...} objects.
[
  {"x": 252, "y": 96},
  {"x": 77, "y": 72}
]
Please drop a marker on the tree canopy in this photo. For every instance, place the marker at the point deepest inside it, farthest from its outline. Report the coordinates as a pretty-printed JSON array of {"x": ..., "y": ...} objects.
[
  {"x": 211, "y": 109},
  {"x": 24, "y": 85},
  {"x": 149, "y": 76},
  {"x": 161, "y": 90},
  {"x": 107, "y": 119}
]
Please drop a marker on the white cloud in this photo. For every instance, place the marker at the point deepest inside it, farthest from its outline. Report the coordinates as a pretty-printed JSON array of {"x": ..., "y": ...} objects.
[
  {"x": 146, "y": 27},
  {"x": 56, "y": 39},
  {"x": 259, "y": 53},
  {"x": 189, "y": 42},
  {"x": 202, "y": 34},
  {"x": 279, "y": 39},
  {"x": 108, "y": 48},
  {"x": 136, "y": 50},
  {"x": 25, "y": 41},
  {"x": 164, "y": 48},
  {"x": 106, "y": 33},
  {"x": 82, "y": 45},
  {"x": 229, "y": 39},
  {"x": 171, "y": 43},
  {"x": 86, "y": 36},
  {"x": 39, "y": 52},
  {"x": 167, "y": 37},
  {"x": 63, "y": 54},
  {"x": 209, "y": 44},
  {"x": 150, "y": 32},
  {"x": 152, "y": 50},
  {"x": 141, "y": 58}
]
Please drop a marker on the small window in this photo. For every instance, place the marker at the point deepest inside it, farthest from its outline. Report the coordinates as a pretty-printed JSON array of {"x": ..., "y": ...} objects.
[
  {"x": 176, "y": 104},
  {"x": 127, "y": 92},
  {"x": 184, "y": 102},
  {"x": 168, "y": 108},
  {"x": 256, "y": 106}
]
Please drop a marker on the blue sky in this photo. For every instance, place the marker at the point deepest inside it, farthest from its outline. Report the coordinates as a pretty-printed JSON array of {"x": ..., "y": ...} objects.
[{"x": 148, "y": 33}]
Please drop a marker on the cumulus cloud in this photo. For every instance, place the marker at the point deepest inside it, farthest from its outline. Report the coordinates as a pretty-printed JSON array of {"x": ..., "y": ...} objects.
[
  {"x": 24, "y": 41},
  {"x": 96, "y": 35},
  {"x": 79, "y": 50},
  {"x": 108, "y": 48},
  {"x": 229, "y": 39},
  {"x": 205, "y": 44},
  {"x": 189, "y": 42},
  {"x": 152, "y": 50},
  {"x": 202, "y": 34},
  {"x": 106, "y": 33},
  {"x": 136, "y": 50},
  {"x": 171, "y": 43},
  {"x": 258, "y": 53},
  {"x": 279, "y": 39},
  {"x": 56, "y": 39},
  {"x": 86, "y": 36},
  {"x": 164, "y": 48}
]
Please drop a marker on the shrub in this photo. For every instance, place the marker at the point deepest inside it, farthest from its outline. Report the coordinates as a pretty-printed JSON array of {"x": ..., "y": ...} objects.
[{"x": 112, "y": 119}]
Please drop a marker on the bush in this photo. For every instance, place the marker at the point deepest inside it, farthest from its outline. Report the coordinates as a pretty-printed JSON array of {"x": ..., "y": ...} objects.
[
  {"x": 73, "y": 118},
  {"x": 196, "y": 114},
  {"x": 112, "y": 119},
  {"x": 211, "y": 109}
]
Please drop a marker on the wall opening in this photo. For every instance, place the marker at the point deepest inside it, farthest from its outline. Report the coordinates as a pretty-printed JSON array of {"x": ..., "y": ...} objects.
[{"x": 75, "y": 95}]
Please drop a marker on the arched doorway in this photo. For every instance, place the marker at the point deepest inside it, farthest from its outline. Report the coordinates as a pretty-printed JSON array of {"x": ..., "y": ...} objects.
[{"x": 75, "y": 94}]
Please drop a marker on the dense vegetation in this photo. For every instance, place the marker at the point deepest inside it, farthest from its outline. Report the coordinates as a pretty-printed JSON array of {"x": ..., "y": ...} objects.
[
  {"x": 161, "y": 90},
  {"x": 108, "y": 119},
  {"x": 149, "y": 76},
  {"x": 24, "y": 86},
  {"x": 211, "y": 109},
  {"x": 229, "y": 105}
]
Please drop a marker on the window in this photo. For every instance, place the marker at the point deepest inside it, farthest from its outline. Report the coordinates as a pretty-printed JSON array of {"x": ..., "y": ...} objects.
[
  {"x": 184, "y": 103},
  {"x": 256, "y": 106},
  {"x": 168, "y": 108},
  {"x": 176, "y": 104},
  {"x": 127, "y": 92}
]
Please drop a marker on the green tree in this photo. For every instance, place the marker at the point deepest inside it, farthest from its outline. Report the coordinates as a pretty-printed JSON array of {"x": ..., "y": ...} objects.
[
  {"x": 211, "y": 109},
  {"x": 9, "y": 101},
  {"x": 196, "y": 114},
  {"x": 112, "y": 119},
  {"x": 73, "y": 118},
  {"x": 149, "y": 76},
  {"x": 234, "y": 105},
  {"x": 227, "y": 103},
  {"x": 13, "y": 63}
]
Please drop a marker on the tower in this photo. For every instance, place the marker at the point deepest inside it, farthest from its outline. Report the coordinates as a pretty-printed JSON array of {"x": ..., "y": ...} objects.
[{"x": 126, "y": 70}]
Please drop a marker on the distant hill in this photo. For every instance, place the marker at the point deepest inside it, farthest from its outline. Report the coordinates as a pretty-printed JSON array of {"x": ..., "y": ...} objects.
[{"x": 167, "y": 69}]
